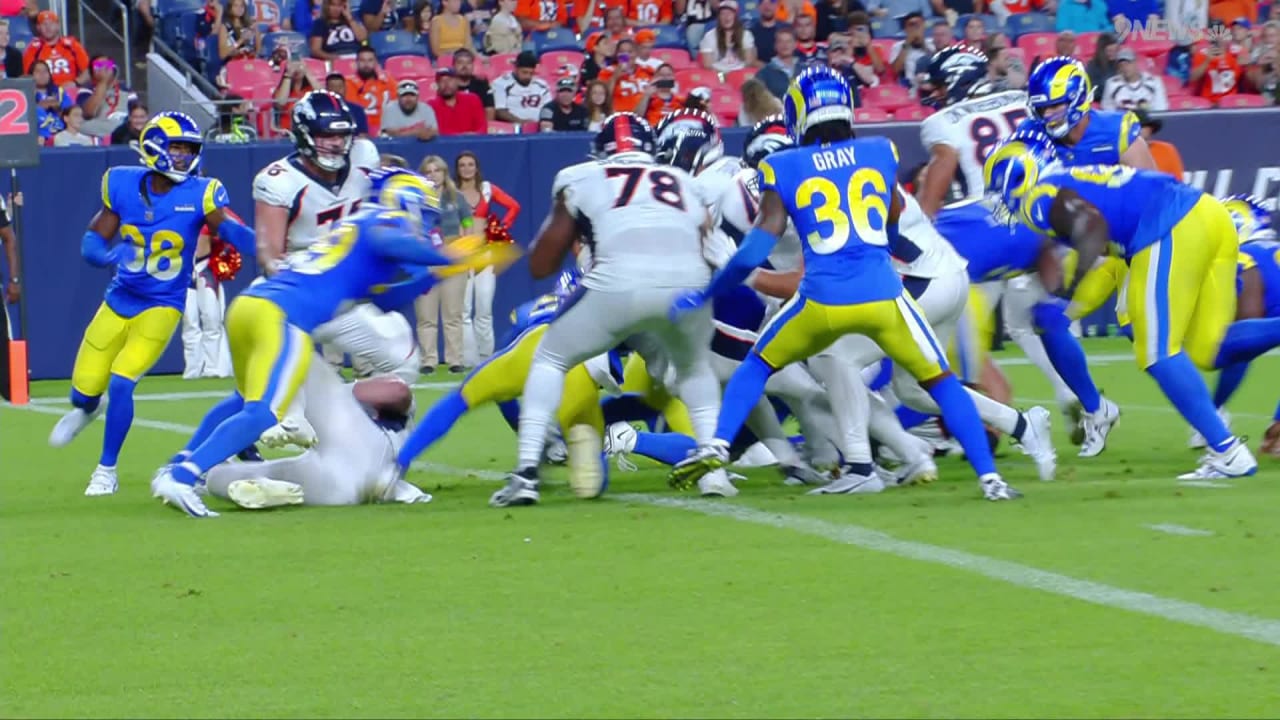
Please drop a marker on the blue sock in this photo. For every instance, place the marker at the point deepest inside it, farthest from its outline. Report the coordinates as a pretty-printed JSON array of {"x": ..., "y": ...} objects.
[
  {"x": 1247, "y": 339},
  {"x": 119, "y": 418},
  {"x": 438, "y": 421},
  {"x": 510, "y": 410},
  {"x": 962, "y": 420},
  {"x": 1181, "y": 383},
  {"x": 230, "y": 437},
  {"x": 217, "y": 415},
  {"x": 883, "y": 377},
  {"x": 1068, "y": 359},
  {"x": 1277, "y": 415},
  {"x": 910, "y": 418},
  {"x": 84, "y": 402},
  {"x": 666, "y": 448},
  {"x": 1228, "y": 380},
  {"x": 741, "y": 395}
]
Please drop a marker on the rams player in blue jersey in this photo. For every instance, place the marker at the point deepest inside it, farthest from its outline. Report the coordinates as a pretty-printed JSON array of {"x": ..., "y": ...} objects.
[
  {"x": 841, "y": 193},
  {"x": 383, "y": 253},
  {"x": 157, "y": 211},
  {"x": 1181, "y": 249}
]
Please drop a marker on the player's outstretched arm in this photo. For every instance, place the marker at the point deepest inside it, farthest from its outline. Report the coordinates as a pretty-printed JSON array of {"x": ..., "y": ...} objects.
[
  {"x": 1074, "y": 217},
  {"x": 400, "y": 245},
  {"x": 1139, "y": 156},
  {"x": 554, "y": 240},
  {"x": 943, "y": 161},
  {"x": 232, "y": 230},
  {"x": 94, "y": 245},
  {"x": 270, "y": 223}
]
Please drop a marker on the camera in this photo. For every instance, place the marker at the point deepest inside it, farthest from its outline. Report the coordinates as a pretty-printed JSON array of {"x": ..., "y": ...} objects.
[{"x": 664, "y": 84}]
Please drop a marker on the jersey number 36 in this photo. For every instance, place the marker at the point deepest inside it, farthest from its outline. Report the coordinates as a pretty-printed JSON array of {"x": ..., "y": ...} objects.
[{"x": 866, "y": 213}]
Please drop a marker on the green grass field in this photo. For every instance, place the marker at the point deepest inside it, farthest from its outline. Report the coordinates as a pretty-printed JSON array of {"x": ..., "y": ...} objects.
[{"x": 1115, "y": 591}]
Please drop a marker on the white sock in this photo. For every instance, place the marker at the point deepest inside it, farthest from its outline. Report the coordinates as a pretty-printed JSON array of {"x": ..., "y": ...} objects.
[{"x": 538, "y": 408}]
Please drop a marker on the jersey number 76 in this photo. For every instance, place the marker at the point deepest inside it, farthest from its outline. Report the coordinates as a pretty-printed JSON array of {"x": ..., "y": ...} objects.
[{"x": 866, "y": 213}]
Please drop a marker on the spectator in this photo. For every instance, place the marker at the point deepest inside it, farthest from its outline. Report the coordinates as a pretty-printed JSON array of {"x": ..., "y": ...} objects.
[
  {"x": 864, "y": 53},
  {"x": 1224, "y": 11},
  {"x": 487, "y": 201},
  {"x": 729, "y": 47},
  {"x": 1132, "y": 88},
  {"x": 518, "y": 95},
  {"x": 106, "y": 104},
  {"x": 757, "y": 103},
  {"x": 13, "y": 288},
  {"x": 1134, "y": 11},
  {"x": 662, "y": 95},
  {"x": 464, "y": 69},
  {"x": 423, "y": 13},
  {"x": 296, "y": 80},
  {"x": 51, "y": 100},
  {"x": 1167, "y": 158},
  {"x": 303, "y": 17},
  {"x": 1002, "y": 9},
  {"x": 644, "y": 59},
  {"x": 1215, "y": 71},
  {"x": 1242, "y": 40},
  {"x": 626, "y": 81},
  {"x": 975, "y": 32},
  {"x": 371, "y": 89},
  {"x": 808, "y": 49},
  {"x": 598, "y": 105},
  {"x": 764, "y": 30},
  {"x": 144, "y": 25},
  {"x": 842, "y": 56},
  {"x": 72, "y": 120},
  {"x": 445, "y": 300},
  {"x": 1001, "y": 71},
  {"x": 129, "y": 131},
  {"x": 696, "y": 15},
  {"x": 829, "y": 15},
  {"x": 1102, "y": 67},
  {"x": 540, "y": 15},
  {"x": 237, "y": 36},
  {"x": 895, "y": 9},
  {"x": 941, "y": 35},
  {"x": 600, "y": 51},
  {"x": 1083, "y": 16},
  {"x": 504, "y": 34},
  {"x": 64, "y": 57},
  {"x": 335, "y": 33},
  {"x": 232, "y": 127},
  {"x": 649, "y": 12},
  {"x": 456, "y": 112},
  {"x": 337, "y": 84},
  {"x": 564, "y": 114},
  {"x": 1265, "y": 61},
  {"x": 383, "y": 15},
  {"x": 615, "y": 23},
  {"x": 778, "y": 72},
  {"x": 12, "y": 58},
  {"x": 406, "y": 116},
  {"x": 450, "y": 30},
  {"x": 907, "y": 52}
]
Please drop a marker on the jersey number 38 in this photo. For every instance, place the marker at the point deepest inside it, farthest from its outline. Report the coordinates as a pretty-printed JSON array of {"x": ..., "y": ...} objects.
[
  {"x": 159, "y": 256},
  {"x": 861, "y": 207}
]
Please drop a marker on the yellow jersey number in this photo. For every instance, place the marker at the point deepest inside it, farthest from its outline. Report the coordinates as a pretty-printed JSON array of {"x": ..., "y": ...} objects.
[
  {"x": 1112, "y": 176},
  {"x": 866, "y": 210},
  {"x": 327, "y": 252},
  {"x": 159, "y": 256}
]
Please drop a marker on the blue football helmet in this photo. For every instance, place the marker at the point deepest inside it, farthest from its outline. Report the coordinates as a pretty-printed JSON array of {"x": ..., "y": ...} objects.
[
  {"x": 1015, "y": 165},
  {"x": 956, "y": 73},
  {"x": 323, "y": 129},
  {"x": 620, "y": 133},
  {"x": 817, "y": 95},
  {"x": 157, "y": 141},
  {"x": 405, "y": 191},
  {"x": 1060, "y": 94},
  {"x": 1252, "y": 220},
  {"x": 767, "y": 137},
  {"x": 689, "y": 140}
]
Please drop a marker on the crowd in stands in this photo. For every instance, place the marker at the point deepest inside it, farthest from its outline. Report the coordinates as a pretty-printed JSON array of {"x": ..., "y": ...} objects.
[{"x": 422, "y": 68}]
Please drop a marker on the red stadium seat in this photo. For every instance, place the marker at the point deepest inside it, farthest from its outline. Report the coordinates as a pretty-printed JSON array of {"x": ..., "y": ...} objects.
[
  {"x": 726, "y": 104},
  {"x": 1243, "y": 101},
  {"x": 1149, "y": 48},
  {"x": 737, "y": 77},
  {"x": 887, "y": 97},
  {"x": 677, "y": 59},
  {"x": 556, "y": 58},
  {"x": 1173, "y": 86},
  {"x": 502, "y": 63},
  {"x": 691, "y": 78},
  {"x": 248, "y": 73},
  {"x": 1189, "y": 102},
  {"x": 529, "y": 127},
  {"x": 408, "y": 66},
  {"x": 870, "y": 115},
  {"x": 1038, "y": 44},
  {"x": 913, "y": 112},
  {"x": 346, "y": 66},
  {"x": 318, "y": 68},
  {"x": 886, "y": 47},
  {"x": 1086, "y": 44},
  {"x": 497, "y": 127}
]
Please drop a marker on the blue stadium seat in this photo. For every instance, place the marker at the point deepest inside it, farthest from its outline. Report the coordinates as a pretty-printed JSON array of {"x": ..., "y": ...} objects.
[
  {"x": 885, "y": 28},
  {"x": 296, "y": 42},
  {"x": 396, "y": 42},
  {"x": 669, "y": 36},
  {"x": 555, "y": 39},
  {"x": 1030, "y": 22},
  {"x": 174, "y": 7},
  {"x": 20, "y": 35}
]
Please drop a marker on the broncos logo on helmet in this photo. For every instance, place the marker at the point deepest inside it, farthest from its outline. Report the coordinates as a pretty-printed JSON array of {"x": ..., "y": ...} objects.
[
  {"x": 817, "y": 96},
  {"x": 622, "y": 132},
  {"x": 767, "y": 137},
  {"x": 689, "y": 140},
  {"x": 1252, "y": 220},
  {"x": 956, "y": 73},
  {"x": 170, "y": 144},
  {"x": 1060, "y": 94},
  {"x": 323, "y": 129},
  {"x": 405, "y": 191},
  {"x": 1014, "y": 167}
]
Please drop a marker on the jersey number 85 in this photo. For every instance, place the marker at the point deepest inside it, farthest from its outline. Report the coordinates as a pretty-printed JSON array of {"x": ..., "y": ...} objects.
[
  {"x": 866, "y": 213},
  {"x": 160, "y": 256}
]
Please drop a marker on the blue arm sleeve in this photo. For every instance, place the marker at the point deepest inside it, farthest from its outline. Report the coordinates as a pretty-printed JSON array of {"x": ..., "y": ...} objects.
[
  {"x": 754, "y": 250},
  {"x": 396, "y": 244},
  {"x": 511, "y": 413},
  {"x": 403, "y": 293},
  {"x": 93, "y": 248},
  {"x": 891, "y": 232},
  {"x": 239, "y": 235}
]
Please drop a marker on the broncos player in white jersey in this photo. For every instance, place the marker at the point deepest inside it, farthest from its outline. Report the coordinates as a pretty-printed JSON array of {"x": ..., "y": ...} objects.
[{"x": 645, "y": 224}]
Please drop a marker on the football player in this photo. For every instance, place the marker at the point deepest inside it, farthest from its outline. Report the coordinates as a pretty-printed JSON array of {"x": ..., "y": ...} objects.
[
  {"x": 157, "y": 211},
  {"x": 841, "y": 194}
]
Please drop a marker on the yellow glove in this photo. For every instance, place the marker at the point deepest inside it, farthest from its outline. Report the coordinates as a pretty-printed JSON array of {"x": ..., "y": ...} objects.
[{"x": 473, "y": 252}]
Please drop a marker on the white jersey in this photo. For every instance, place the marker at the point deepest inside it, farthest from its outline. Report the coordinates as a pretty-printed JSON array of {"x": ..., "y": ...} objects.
[
  {"x": 313, "y": 206},
  {"x": 642, "y": 221},
  {"x": 523, "y": 101},
  {"x": 736, "y": 210},
  {"x": 973, "y": 128},
  {"x": 922, "y": 252}
]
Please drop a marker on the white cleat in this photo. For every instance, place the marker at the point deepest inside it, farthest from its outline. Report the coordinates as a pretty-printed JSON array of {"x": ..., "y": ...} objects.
[
  {"x": 801, "y": 475},
  {"x": 851, "y": 484},
  {"x": 919, "y": 472},
  {"x": 556, "y": 451},
  {"x": 587, "y": 464},
  {"x": 1097, "y": 426},
  {"x": 619, "y": 442},
  {"x": 102, "y": 482},
  {"x": 995, "y": 488},
  {"x": 291, "y": 431},
  {"x": 756, "y": 456},
  {"x": 180, "y": 496},
  {"x": 519, "y": 490},
  {"x": 260, "y": 493},
  {"x": 716, "y": 484},
  {"x": 1037, "y": 442},
  {"x": 1236, "y": 461},
  {"x": 70, "y": 425},
  {"x": 1197, "y": 440}
]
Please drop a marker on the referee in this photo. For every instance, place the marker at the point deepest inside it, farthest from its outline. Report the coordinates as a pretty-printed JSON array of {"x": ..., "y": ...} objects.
[{"x": 12, "y": 288}]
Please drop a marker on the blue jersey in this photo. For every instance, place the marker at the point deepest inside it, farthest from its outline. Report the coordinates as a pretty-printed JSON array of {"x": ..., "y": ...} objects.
[
  {"x": 343, "y": 266},
  {"x": 164, "y": 229},
  {"x": 535, "y": 312},
  {"x": 839, "y": 195},
  {"x": 993, "y": 249},
  {"x": 1109, "y": 135},
  {"x": 1265, "y": 256},
  {"x": 1140, "y": 206}
]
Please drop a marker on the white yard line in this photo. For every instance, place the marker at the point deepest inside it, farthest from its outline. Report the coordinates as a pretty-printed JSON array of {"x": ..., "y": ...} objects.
[
  {"x": 1124, "y": 406},
  {"x": 209, "y": 394},
  {"x": 1205, "y": 484},
  {"x": 1172, "y": 529},
  {"x": 1263, "y": 630}
]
